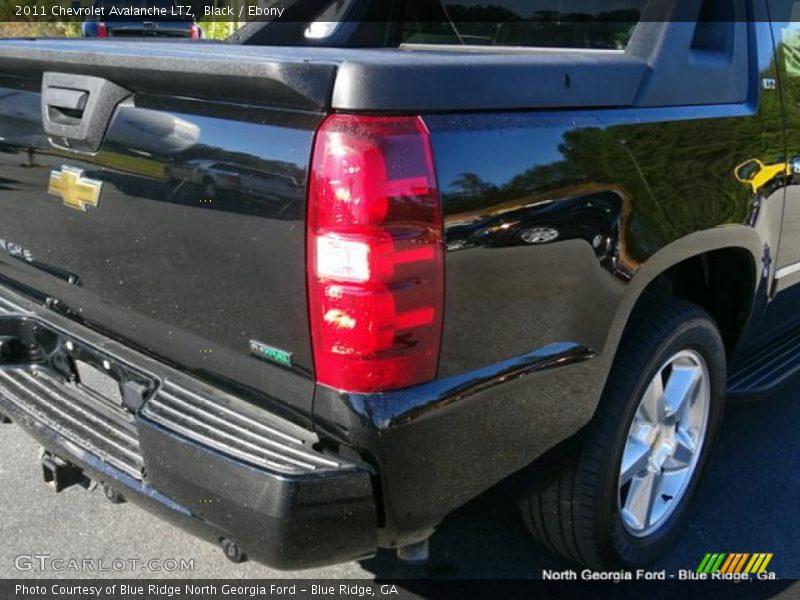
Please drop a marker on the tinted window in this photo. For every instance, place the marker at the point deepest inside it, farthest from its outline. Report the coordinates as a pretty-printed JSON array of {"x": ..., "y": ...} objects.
[{"x": 589, "y": 24}]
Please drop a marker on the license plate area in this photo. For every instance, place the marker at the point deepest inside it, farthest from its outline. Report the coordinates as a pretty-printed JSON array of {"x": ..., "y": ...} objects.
[
  {"x": 98, "y": 382},
  {"x": 103, "y": 379}
]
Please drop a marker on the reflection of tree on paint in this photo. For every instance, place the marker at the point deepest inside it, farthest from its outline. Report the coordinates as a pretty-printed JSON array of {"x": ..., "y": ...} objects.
[
  {"x": 790, "y": 81},
  {"x": 790, "y": 37},
  {"x": 509, "y": 24},
  {"x": 656, "y": 165},
  {"x": 471, "y": 184},
  {"x": 31, "y": 158}
]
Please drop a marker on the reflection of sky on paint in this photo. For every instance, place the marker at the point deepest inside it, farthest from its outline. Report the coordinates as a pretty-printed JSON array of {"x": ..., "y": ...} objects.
[
  {"x": 265, "y": 142},
  {"x": 526, "y": 8},
  {"x": 520, "y": 152}
]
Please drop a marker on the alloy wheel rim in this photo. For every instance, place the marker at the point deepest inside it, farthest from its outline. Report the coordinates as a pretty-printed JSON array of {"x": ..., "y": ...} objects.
[
  {"x": 664, "y": 443},
  {"x": 539, "y": 235}
]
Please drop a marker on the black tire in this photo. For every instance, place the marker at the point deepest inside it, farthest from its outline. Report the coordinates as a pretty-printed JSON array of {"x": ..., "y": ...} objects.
[{"x": 577, "y": 514}]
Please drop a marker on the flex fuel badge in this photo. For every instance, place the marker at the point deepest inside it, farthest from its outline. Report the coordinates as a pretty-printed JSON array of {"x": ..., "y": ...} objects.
[{"x": 271, "y": 353}]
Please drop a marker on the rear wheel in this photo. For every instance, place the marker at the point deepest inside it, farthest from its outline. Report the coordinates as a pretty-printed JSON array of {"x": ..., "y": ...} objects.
[{"x": 625, "y": 494}]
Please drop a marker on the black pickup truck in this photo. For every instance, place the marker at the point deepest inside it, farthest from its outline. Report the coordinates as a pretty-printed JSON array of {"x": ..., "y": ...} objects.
[{"x": 308, "y": 291}]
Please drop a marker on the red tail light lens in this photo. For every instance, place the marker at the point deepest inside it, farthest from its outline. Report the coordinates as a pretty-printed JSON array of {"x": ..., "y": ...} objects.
[
  {"x": 375, "y": 272},
  {"x": 195, "y": 34},
  {"x": 102, "y": 30}
]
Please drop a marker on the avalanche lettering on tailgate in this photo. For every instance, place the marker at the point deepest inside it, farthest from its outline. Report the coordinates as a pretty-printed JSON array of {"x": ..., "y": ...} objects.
[{"x": 16, "y": 250}]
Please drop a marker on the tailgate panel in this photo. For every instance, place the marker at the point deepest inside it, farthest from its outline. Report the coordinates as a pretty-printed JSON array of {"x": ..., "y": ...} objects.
[{"x": 197, "y": 243}]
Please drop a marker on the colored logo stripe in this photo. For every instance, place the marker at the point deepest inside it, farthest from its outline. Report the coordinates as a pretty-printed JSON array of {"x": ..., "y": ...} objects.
[
  {"x": 734, "y": 563},
  {"x": 715, "y": 562},
  {"x": 740, "y": 564},
  {"x": 728, "y": 564},
  {"x": 711, "y": 563},
  {"x": 759, "y": 562}
]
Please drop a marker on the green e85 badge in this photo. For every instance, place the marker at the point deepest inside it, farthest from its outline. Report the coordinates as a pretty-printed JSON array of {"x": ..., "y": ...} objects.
[{"x": 271, "y": 353}]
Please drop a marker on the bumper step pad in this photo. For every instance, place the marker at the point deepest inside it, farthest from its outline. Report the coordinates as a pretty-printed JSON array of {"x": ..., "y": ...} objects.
[{"x": 75, "y": 414}]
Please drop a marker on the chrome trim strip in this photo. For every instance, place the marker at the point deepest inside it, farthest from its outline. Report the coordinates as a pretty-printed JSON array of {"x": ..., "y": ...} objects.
[
  {"x": 74, "y": 435},
  {"x": 203, "y": 414},
  {"x": 199, "y": 438},
  {"x": 243, "y": 418},
  {"x": 71, "y": 418},
  {"x": 6, "y": 306},
  {"x": 157, "y": 405},
  {"x": 103, "y": 422},
  {"x": 787, "y": 270}
]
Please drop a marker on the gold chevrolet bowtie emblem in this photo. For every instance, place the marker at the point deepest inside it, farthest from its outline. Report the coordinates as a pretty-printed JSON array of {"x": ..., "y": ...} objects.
[{"x": 74, "y": 189}]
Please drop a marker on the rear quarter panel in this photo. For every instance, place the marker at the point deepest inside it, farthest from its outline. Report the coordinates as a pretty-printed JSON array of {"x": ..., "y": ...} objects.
[{"x": 620, "y": 187}]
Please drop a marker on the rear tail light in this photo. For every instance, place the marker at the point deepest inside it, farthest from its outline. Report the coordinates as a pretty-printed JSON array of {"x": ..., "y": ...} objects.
[
  {"x": 233, "y": 180},
  {"x": 195, "y": 33},
  {"x": 375, "y": 272},
  {"x": 102, "y": 30}
]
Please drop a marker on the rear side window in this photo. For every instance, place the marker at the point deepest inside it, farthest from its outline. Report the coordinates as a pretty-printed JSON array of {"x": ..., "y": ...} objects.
[{"x": 585, "y": 24}]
